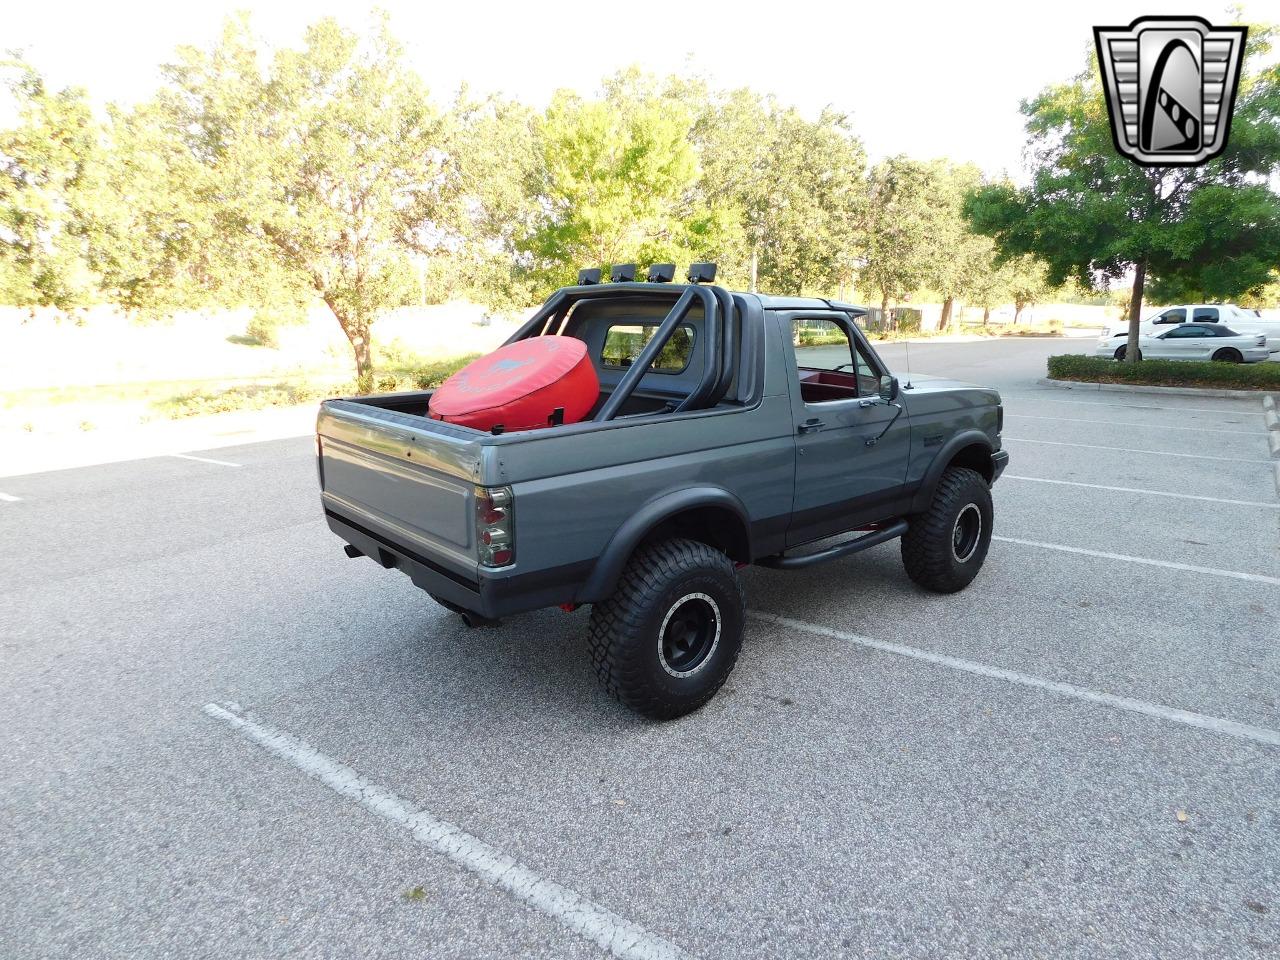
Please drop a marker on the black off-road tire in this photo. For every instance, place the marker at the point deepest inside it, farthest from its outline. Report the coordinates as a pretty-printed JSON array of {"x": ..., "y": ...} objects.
[
  {"x": 944, "y": 547},
  {"x": 666, "y": 585}
]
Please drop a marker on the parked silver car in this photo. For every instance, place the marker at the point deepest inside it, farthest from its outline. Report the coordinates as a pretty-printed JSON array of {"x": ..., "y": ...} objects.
[{"x": 1190, "y": 341}]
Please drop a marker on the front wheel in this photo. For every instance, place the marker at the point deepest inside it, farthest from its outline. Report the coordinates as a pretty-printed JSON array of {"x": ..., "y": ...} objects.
[
  {"x": 944, "y": 547},
  {"x": 667, "y": 639}
]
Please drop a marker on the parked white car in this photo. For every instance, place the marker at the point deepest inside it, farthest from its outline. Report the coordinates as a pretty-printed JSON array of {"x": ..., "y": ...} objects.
[
  {"x": 1190, "y": 341},
  {"x": 1237, "y": 318}
]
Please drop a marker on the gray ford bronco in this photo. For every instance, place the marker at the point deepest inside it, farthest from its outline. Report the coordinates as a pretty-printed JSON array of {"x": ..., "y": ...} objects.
[{"x": 731, "y": 429}]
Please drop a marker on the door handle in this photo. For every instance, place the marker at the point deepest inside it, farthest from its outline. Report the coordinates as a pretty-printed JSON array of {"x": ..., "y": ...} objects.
[
  {"x": 811, "y": 426},
  {"x": 865, "y": 403}
]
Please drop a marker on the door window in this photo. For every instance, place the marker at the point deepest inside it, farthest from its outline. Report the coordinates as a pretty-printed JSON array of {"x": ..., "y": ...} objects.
[
  {"x": 1204, "y": 315},
  {"x": 1184, "y": 333},
  {"x": 825, "y": 360},
  {"x": 1177, "y": 315}
]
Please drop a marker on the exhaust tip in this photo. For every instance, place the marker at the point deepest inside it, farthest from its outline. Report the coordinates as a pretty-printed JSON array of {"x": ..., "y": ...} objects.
[{"x": 351, "y": 551}]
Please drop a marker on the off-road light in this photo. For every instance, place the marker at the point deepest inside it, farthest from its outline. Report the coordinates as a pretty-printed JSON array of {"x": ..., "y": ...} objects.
[
  {"x": 662, "y": 273},
  {"x": 622, "y": 273},
  {"x": 702, "y": 273},
  {"x": 589, "y": 276},
  {"x": 495, "y": 526}
]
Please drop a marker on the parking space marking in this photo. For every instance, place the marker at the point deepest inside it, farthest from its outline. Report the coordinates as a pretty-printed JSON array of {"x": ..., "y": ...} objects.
[
  {"x": 1131, "y": 423},
  {"x": 1145, "y": 493},
  {"x": 1154, "y": 453},
  {"x": 601, "y": 926},
  {"x": 10, "y": 498},
  {"x": 1167, "y": 564},
  {"x": 1203, "y": 721},
  {"x": 1128, "y": 406},
  {"x": 221, "y": 463}
]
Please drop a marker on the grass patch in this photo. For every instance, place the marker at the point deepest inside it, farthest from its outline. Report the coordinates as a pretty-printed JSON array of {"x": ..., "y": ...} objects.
[
  {"x": 1167, "y": 373},
  {"x": 260, "y": 396}
]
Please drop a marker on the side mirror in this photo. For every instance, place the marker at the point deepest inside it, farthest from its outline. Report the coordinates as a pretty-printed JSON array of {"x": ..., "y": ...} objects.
[{"x": 888, "y": 388}]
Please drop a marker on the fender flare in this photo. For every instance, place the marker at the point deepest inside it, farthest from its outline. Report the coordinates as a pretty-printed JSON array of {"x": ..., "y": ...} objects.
[
  {"x": 608, "y": 567},
  {"x": 966, "y": 438}
]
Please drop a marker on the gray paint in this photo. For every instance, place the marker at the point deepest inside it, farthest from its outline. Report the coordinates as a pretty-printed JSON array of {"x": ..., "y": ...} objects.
[{"x": 410, "y": 480}]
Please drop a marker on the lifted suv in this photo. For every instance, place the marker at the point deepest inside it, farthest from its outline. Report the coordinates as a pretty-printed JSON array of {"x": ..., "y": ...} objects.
[{"x": 731, "y": 429}]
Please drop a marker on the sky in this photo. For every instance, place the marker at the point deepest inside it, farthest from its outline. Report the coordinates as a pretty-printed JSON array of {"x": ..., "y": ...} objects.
[{"x": 924, "y": 79}]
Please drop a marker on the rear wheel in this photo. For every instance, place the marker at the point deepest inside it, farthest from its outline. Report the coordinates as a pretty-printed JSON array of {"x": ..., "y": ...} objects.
[
  {"x": 667, "y": 639},
  {"x": 944, "y": 547},
  {"x": 1228, "y": 355}
]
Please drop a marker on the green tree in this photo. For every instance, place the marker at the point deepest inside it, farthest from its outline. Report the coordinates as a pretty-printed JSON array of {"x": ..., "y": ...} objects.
[
  {"x": 793, "y": 189},
  {"x": 612, "y": 184},
  {"x": 317, "y": 174},
  {"x": 1210, "y": 232},
  {"x": 48, "y": 162},
  {"x": 905, "y": 228}
]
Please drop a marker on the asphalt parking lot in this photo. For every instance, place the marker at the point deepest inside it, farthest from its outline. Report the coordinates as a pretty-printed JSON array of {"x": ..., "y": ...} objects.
[{"x": 223, "y": 738}]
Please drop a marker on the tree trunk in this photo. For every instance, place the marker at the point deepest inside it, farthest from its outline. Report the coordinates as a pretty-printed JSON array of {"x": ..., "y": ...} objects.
[
  {"x": 884, "y": 311},
  {"x": 944, "y": 322},
  {"x": 1132, "y": 349},
  {"x": 754, "y": 268},
  {"x": 364, "y": 359},
  {"x": 986, "y": 315},
  {"x": 357, "y": 332}
]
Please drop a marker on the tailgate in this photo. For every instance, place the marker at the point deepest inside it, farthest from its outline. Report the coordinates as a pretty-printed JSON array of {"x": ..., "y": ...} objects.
[{"x": 407, "y": 479}]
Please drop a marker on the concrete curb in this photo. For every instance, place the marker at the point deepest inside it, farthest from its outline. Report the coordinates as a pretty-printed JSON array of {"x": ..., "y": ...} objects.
[
  {"x": 1273, "y": 438},
  {"x": 1138, "y": 388},
  {"x": 1271, "y": 419}
]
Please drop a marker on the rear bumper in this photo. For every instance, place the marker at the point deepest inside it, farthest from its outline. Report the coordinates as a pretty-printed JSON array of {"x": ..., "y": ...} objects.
[
  {"x": 492, "y": 594},
  {"x": 999, "y": 460}
]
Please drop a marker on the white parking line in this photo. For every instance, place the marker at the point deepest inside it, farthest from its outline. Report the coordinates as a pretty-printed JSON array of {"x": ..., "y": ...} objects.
[
  {"x": 1167, "y": 564},
  {"x": 1145, "y": 493},
  {"x": 605, "y": 929},
  {"x": 1203, "y": 721},
  {"x": 1154, "y": 453},
  {"x": 1130, "y": 423},
  {"x": 1169, "y": 407},
  {"x": 221, "y": 463},
  {"x": 10, "y": 498}
]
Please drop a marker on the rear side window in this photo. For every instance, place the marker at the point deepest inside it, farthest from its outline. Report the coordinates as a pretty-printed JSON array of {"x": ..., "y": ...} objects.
[
  {"x": 623, "y": 343},
  {"x": 1173, "y": 316},
  {"x": 1226, "y": 332},
  {"x": 1204, "y": 315}
]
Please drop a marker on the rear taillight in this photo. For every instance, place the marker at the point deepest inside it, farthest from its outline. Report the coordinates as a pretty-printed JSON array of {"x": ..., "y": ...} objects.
[{"x": 495, "y": 526}]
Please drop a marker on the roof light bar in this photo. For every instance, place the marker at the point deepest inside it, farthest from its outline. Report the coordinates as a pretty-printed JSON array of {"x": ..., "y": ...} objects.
[{"x": 702, "y": 273}]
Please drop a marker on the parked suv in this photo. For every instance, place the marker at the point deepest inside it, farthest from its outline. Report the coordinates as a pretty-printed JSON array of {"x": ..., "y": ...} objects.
[{"x": 777, "y": 426}]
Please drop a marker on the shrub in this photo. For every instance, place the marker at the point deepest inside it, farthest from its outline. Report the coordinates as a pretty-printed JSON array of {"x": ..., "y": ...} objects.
[
  {"x": 255, "y": 397},
  {"x": 1170, "y": 373},
  {"x": 431, "y": 375}
]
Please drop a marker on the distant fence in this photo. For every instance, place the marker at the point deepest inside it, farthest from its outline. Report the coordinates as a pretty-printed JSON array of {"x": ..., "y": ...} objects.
[{"x": 897, "y": 318}]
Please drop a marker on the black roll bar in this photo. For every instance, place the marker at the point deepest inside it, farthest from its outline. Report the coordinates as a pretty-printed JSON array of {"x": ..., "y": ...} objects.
[
  {"x": 720, "y": 330},
  {"x": 728, "y": 355},
  {"x": 640, "y": 366}
]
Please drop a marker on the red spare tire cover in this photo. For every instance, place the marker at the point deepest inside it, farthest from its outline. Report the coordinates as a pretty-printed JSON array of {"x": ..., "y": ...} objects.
[{"x": 520, "y": 386}]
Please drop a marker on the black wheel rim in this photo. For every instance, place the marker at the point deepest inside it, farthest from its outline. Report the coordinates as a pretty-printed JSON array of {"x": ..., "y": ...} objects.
[
  {"x": 689, "y": 635},
  {"x": 966, "y": 533}
]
